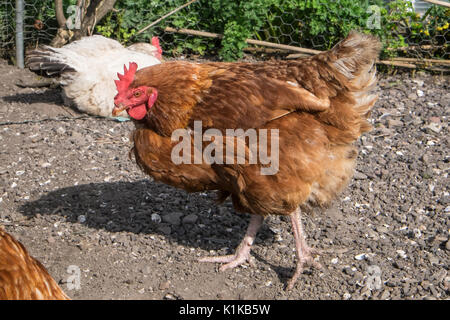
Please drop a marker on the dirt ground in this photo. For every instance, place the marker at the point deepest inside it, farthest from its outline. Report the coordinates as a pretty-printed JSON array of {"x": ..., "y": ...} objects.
[{"x": 71, "y": 195}]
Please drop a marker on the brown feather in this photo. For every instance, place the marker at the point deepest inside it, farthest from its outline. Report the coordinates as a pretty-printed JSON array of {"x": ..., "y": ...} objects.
[
  {"x": 318, "y": 104},
  {"x": 21, "y": 276}
]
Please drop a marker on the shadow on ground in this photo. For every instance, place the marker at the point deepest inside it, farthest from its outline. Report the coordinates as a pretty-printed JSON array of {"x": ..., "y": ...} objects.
[
  {"x": 51, "y": 96},
  {"x": 128, "y": 207}
]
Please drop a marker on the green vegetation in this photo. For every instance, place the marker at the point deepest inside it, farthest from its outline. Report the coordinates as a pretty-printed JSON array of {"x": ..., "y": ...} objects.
[{"x": 317, "y": 24}]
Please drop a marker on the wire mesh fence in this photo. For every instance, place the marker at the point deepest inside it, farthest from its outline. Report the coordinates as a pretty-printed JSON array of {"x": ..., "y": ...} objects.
[
  {"x": 314, "y": 24},
  {"x": 7, "y": 24},
  {"x": 38, "y": 20},
  {"x": 408, "y": 29}
]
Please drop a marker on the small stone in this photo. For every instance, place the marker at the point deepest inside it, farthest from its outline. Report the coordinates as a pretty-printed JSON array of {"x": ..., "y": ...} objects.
[
  {"x": 165, "y": 230},
  {"x": 83, "y": 245},
  {"x": 433, "y": 259},
  {"x": 170, "y": 296},
  {"x": 164, "y": 285},
  {"x": 445, "y": 200},
  {"x": 417, "y": 233},
  {"x": 346, "y": 296},
  {"x": 435, "y": 119},
  {"x": 359, "y": 176},
  {"x": 382, "y": 229},
  {"x": 361, "y": 256},
  {"x": 420, "y": 93},
  {"x": 156, "y": 217},
  {"x": 190, "y": 219},
  {"x": 123, "y": 240},
  {"x": 412, "y": 95},
  {"x": 146, "y": 270},
  {"x": 425, "y": 284},
  {"x": 434, "y": 127},
  {"x": 401, "y": 254},
  {"x": 334, "y": 260},
  {"x": 391, "y": 283},
  {"x": 447, "y": 245},
  {"x": 172, "y": 218},
  {"x": 366, "y": 292},
  {"x": 348, "y": 271},
  {"x": 440, "y": 275},
  {"x": 394, "y": 123},
  {"x": 45, "y": 164},
  {"x": 81, "y": 218},
  {"x": 61, "y": 130},
  {"x": 385, "y": 295},
  {"x": 77, "y": 137},
  {"x": 434, "y": 291},
  {"x": 398, "y": 264},
  {"x": 447, "y": 283},
  {"x": 426, "y": 158},
  {"x": 406, "y": 288}
]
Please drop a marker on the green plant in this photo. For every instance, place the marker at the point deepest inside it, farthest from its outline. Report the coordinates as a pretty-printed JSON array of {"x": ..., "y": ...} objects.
[
  {"x": 315, "y": 24},
  {"x": 403, "y": 27},
  {"x": 113, "y": 26}
]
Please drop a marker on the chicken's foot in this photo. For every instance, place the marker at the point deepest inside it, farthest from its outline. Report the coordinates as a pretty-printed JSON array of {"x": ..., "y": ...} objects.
[
  {"x": 243, "y": 250},
  {"x": 305, "y": 254}
]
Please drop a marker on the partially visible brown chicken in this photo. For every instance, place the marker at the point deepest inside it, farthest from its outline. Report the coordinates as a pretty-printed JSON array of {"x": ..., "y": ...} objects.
[
  {"x": 21, "y": 276},
  {"x": 319, "y": 105}
]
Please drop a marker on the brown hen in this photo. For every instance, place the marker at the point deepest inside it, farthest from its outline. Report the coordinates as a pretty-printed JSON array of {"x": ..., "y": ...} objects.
[
  {"x": 319, "y": 105},
  {"x": 21, "y": 276}
]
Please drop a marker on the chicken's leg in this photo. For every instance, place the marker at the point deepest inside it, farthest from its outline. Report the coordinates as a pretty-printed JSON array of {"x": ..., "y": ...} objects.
[
  {"x": 243, "y": 250},
  {"x": 304, "y": 252}
]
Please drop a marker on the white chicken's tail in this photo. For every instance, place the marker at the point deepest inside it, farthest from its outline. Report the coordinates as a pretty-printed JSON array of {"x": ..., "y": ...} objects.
[{"x": 49, "y": 61}]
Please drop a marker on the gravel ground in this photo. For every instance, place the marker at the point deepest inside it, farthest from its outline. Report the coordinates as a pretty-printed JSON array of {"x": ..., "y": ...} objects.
[{"x": 71, "y": 195}]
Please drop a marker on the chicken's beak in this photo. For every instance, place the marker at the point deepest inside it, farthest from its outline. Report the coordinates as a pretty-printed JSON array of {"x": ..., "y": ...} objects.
[{"x": 118, "y": 108}]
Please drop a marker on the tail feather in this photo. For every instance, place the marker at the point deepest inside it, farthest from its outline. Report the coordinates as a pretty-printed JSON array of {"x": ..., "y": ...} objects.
[
  {"x": 48, "y": 62},
  {"x": 354, "y": 57},
  {"x": 353, "y": 60}
]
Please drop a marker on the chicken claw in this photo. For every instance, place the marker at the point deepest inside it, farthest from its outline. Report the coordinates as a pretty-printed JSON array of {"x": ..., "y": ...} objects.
[
  {"x": 305, "y": 254},
  {"x": 243, "y": 250}
]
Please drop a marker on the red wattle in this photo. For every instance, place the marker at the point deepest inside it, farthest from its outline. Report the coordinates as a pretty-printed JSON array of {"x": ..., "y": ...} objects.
[{"x": 137, "y": 112}]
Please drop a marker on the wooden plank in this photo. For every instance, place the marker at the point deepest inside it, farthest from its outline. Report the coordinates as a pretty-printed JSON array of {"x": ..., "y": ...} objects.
[
  {"x": 249, "y": 41},
  {"x": 439, "y": 3}
]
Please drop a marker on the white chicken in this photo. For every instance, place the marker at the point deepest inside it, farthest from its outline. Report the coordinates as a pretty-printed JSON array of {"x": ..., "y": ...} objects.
[{"x": 87, "y": 68}]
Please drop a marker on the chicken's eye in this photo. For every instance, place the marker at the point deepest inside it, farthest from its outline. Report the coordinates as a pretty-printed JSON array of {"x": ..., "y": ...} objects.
[{"x": 137, "y": 94}]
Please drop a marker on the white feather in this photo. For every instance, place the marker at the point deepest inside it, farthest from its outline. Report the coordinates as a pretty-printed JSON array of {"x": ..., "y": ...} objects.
[{"x": 97, "y": 60}]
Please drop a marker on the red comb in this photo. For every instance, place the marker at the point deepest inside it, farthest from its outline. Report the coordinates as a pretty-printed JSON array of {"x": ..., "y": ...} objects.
[
  {"x": 155, "y": 42},
  {"x": 127, "y": 78}
]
